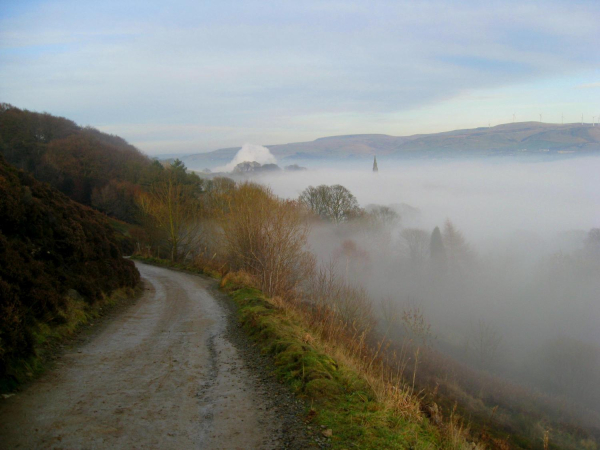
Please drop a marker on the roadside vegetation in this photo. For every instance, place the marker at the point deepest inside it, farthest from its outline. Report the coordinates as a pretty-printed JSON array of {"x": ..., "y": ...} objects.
[
  {"x": 258, "y": 243},
  {"x": 319, "y": 327},
  {"x": 333, "y": 291},
  {"x": 59, "y": 265},
  {"x": 353, "y": 397}
]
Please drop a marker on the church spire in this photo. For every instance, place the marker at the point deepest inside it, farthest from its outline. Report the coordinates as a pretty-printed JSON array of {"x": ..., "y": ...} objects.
[{"x": 375, "y": 169}]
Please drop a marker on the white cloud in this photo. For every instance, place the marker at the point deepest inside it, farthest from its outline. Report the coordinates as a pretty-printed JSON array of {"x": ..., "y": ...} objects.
[{"x": 249, "y": 153}]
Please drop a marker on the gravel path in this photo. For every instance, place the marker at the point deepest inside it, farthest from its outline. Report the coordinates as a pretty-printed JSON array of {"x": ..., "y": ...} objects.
[{"x": 172, "y": 371}]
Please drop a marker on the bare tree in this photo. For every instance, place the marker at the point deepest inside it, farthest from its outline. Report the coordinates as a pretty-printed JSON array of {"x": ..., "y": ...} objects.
[
  {"x": 173, "y": 209},
  {"x": 266, "y": 237},
  {"x": 484, "y": 342},
  {"x": 380, "y": 215},
  {"x": 335, "y": 203},
  {"x": 416, "y": 243},
  {"x": 316, "y": 199}
]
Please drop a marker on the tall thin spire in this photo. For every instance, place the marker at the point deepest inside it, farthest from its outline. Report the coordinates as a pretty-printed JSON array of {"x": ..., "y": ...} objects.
[{"x": 375, "y": 169}]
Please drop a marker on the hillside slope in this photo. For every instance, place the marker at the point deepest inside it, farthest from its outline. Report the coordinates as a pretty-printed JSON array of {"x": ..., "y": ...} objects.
[
  {"x": 54, "y": 253},
  {"x": 91, "y": 167}
]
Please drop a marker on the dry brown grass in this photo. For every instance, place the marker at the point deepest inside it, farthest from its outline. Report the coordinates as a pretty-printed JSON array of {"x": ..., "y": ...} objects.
[
  {"x": 339, "y": 322},
  {"x": 240, "y": 279},
  {"x": 346, "y": 334},
  {"x": 380, "y": 369}
]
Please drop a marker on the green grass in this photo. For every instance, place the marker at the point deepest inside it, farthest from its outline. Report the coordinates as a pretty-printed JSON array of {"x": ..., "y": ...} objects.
[
  {"x": 68, "y": 322},
  {"x": 337, "y": 397},
  {"x": 341, "y": 400}
]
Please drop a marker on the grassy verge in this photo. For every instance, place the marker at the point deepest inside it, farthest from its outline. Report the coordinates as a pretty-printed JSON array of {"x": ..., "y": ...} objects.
[
  {"x": 49, "y": 335},
  {"x": 343, "y": 403},
  {"x": 341, "y": 400}
]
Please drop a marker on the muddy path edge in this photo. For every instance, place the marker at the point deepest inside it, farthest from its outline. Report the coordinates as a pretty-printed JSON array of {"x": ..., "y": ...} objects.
[{"x": 274, "y": 402}]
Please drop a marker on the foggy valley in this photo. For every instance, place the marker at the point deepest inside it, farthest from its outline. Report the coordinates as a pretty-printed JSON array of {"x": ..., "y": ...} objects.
[
  {"x": 472, "y": 282},
  {"x": 300, "y": 225},
  {"x": 522, "y": 272}
]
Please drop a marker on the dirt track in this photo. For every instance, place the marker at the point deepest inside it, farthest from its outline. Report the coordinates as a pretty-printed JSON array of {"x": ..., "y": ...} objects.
[{"x": 168, "y": 372}]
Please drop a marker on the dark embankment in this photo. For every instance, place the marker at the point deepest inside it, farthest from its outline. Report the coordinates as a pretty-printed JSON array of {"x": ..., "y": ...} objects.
[{"x": 58, "y": 261}]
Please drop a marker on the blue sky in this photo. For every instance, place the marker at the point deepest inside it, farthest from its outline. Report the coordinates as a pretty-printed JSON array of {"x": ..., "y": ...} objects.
[{"x": 189, "y": 76}]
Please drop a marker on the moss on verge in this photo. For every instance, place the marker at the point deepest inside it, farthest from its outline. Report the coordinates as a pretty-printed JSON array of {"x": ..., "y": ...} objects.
[{"x": 341, "y": 401}]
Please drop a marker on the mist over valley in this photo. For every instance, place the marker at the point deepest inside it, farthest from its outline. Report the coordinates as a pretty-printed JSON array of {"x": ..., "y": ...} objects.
[
  {"x": 250, "y": 224},
  {"x": 522, "y": 244}
]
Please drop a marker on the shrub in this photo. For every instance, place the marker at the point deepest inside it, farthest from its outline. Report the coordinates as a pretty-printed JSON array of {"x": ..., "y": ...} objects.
[
  {"x": 265, "y": 236},
  {"x": 49, "y": 245}
]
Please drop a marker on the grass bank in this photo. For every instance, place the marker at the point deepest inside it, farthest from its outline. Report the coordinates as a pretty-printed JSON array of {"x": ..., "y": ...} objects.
[
  {"x": 49, "y": 335},
  {"x": 342, "y": 403},
  {"x": 345, "y": 401}
]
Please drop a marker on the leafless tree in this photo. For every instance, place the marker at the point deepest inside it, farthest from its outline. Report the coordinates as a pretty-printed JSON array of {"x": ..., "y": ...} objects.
[
  {"x": 174, "y": 212},
  {"x": 335, "y": 203},
  {"x": 416, "y": 243},
  {"x": 266, "y": 237},
  {"x": 484, "y": 342}
]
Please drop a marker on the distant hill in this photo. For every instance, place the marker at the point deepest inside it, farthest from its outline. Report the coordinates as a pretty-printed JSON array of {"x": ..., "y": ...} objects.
[{"x": 532, "y": 139}]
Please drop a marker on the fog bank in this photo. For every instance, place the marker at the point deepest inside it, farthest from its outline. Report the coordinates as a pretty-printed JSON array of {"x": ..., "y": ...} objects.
[
  {"x": 486, "y": 200},
  {"x": 527, "y": 275}
]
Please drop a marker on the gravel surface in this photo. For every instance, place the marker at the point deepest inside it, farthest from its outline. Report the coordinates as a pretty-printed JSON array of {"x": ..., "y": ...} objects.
[{"x": 173, "y": 370}]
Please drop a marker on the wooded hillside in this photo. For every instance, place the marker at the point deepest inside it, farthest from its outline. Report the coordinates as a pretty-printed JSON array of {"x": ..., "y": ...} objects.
[{"x": 91, "y": 167}]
